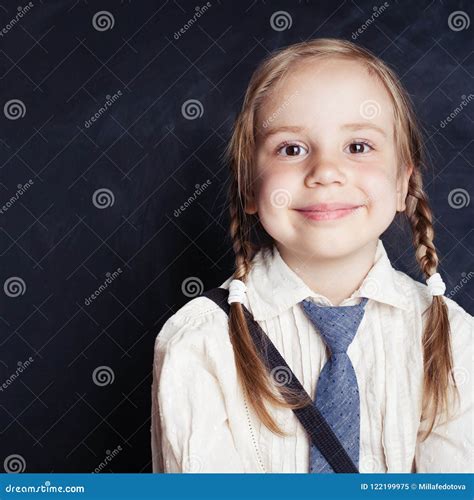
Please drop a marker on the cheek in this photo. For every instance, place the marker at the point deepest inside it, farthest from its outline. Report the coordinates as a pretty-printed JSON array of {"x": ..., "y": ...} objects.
[
  {"x": 276, "y": 191},
  {"x": 380, "y": 189}
]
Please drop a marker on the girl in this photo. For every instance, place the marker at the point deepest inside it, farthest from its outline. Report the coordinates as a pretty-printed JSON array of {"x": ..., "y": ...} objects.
[{"x": 325, "y": 152}]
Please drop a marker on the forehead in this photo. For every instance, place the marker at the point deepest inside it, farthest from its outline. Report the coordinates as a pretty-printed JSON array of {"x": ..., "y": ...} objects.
[{"x": 324, "y": 94}]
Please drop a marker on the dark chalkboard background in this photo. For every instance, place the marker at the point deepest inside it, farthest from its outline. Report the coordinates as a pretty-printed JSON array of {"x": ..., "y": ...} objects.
[{"x": 91, "y": 203}]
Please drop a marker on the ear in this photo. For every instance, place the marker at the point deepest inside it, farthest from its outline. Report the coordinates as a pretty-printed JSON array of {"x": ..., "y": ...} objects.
[{"x": 402, "y": 187}]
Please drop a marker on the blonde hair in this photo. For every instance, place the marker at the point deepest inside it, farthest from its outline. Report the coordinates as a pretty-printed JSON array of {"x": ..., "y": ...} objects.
[{"x": 248, "y": 236}]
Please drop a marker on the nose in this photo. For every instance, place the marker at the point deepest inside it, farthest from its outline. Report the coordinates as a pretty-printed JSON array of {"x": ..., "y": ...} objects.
[{"x": 324, "y": 170}]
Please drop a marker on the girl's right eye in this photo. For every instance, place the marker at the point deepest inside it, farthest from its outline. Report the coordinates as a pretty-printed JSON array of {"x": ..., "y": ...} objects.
[{"x": 291, "y": 149}]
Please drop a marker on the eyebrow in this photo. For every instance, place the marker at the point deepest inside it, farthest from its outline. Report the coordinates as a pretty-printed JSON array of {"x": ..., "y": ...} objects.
[
  {"x": 363, "y": 126},
  {"x": 346, "y": 126},
  {"x": 276, "y": 130}
]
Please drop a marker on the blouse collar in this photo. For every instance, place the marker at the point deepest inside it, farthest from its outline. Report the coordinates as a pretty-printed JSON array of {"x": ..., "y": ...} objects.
[{"x": 273, "y": 287}]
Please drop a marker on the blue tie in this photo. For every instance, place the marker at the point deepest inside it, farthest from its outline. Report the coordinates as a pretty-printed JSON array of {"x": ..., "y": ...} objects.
[{"x": 337, "y": 392}]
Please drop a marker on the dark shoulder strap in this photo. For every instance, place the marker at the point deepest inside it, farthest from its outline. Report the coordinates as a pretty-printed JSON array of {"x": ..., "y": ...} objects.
[{"x": 310, "y": 417}]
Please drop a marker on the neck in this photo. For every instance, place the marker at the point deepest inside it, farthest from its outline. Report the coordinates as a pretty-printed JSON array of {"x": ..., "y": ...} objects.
[{"x": 337, "y": 278}]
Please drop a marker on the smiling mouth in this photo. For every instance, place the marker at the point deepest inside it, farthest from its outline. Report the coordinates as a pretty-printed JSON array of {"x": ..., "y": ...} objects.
[{"x": 328, "y": 214}]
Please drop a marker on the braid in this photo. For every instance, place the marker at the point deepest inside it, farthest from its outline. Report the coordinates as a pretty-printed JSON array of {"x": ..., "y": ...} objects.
[
  {"x": 421, "y": 221},
  {"x": 251, "y": 369},
  {"x": 437, "y": 355},
  {"x": 240, "y": 235}
]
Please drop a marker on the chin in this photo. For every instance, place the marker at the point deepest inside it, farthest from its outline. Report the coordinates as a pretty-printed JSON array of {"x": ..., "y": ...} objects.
[{"x": 325, "y": 247}]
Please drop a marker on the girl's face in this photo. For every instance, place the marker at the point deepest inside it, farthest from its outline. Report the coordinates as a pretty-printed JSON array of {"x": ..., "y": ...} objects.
[{"x": 326, "y": 135}]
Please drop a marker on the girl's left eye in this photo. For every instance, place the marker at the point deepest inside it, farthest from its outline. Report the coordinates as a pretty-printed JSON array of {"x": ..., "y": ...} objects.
[{"x": 358, "y": 147}]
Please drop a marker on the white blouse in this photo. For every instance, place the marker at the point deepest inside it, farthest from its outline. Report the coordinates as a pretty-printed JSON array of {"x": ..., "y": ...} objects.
[{"x": 201, "y": 421}]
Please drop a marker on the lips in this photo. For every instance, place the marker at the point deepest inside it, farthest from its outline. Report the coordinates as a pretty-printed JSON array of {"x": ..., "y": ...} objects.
[
  {"x": 328, "y": 207},
  {"x": 328, "y": 211}
]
